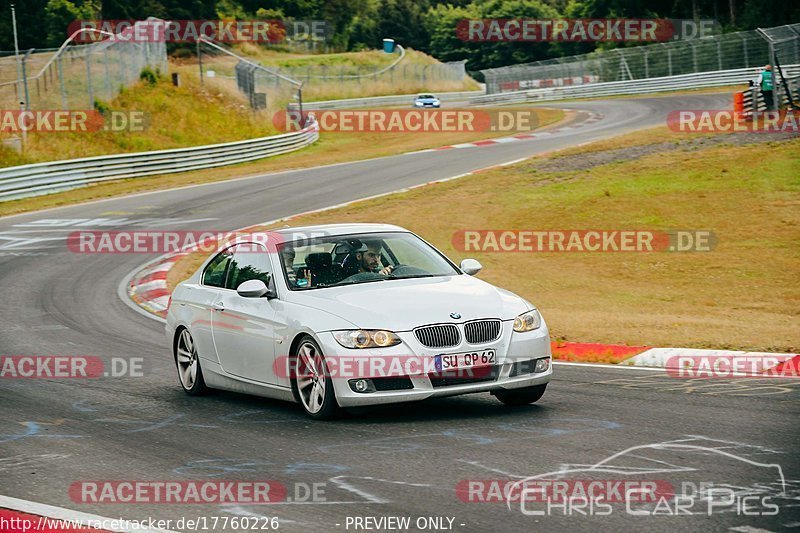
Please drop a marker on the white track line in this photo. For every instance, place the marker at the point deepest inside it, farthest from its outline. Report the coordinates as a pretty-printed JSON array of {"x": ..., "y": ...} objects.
[{"x": 604, "y": 365}]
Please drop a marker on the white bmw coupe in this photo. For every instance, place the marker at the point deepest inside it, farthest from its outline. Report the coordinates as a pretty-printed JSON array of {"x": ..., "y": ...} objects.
[{"x": 350, "y": 315}]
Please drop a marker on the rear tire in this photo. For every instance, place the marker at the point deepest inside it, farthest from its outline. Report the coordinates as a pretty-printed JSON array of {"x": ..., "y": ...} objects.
[
  {"x": 518, "y": 397},
  {"x": 312, "y": 384},
  {"x": 187, "y": 360}
]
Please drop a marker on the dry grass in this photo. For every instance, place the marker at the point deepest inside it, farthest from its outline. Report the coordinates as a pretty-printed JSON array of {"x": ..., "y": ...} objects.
[
  {"x": 742, "y": 295},
  {"x": 176, "y": 117}
]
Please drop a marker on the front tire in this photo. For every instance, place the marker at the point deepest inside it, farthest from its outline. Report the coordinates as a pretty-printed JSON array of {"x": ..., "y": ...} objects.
[
  {"x": 187, "y": 360},
  {"x": 518, "y": 397},
  {"x": 312, "y": 383}
]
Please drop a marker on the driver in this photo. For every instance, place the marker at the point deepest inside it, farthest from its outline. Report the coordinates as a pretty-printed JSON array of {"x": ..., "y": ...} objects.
[{"x": 370, "y": 260}]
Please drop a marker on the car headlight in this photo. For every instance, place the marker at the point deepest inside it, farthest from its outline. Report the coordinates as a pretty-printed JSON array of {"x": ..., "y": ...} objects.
[
  {"x": 419, "y": 104},
  {"x": 528, "y": 321},
  {"x": 363, "y": 338},
  {"x": 436, "y": 102}
]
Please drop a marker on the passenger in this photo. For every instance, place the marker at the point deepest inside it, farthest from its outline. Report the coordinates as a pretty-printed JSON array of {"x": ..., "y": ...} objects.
[{"x": 288, "y": 254}]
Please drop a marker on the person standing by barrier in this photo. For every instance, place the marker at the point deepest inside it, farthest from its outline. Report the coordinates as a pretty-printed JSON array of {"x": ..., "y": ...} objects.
[{"x": 766, "y": 84}]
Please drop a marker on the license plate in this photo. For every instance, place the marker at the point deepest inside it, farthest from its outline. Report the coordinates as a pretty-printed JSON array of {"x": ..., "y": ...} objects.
[{"x": 458, "y": 361}]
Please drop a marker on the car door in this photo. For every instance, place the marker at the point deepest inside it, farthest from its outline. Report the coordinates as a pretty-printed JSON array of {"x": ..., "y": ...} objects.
[
  {"x": 203, "y": 298},
  {"x": 244, "y": 328}
]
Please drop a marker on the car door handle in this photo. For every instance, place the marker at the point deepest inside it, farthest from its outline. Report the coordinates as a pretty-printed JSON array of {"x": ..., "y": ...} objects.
[{"x": 218, "y": 307}]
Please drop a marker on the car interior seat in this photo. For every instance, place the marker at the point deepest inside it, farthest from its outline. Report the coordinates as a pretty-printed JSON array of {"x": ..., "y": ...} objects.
[{"x": 323, "y": 271}]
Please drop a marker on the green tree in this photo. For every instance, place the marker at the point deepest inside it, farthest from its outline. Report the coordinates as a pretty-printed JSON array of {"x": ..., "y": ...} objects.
[
  {"x": 403, "y": 21},
  {"x": 59, "y": 14},
  {"x": 449, "y": 45}
]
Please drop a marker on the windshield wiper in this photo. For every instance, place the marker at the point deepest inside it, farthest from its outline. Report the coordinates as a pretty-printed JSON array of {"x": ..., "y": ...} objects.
[
  {"x": 391, "y": 276},
  {"x": 357, "y": 282}
]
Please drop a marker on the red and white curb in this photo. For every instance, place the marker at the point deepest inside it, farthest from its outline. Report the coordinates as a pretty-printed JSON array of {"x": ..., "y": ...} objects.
[
  {"x": 593, "y": 117},
  {"x": 723, "y": 361},
  {"x": 18, "y": 516},
  {"x": 148, "y": 286}
]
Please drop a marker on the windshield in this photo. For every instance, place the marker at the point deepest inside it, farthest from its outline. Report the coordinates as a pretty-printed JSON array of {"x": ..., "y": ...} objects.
[
  {"x": 426, "y": 97},
  {"x": 360, "y": 258}
]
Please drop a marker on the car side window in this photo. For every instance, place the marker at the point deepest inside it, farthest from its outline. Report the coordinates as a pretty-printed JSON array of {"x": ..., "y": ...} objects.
[
  {"x": 250, "y": 261},
  {"x": 214, "y": 274}
]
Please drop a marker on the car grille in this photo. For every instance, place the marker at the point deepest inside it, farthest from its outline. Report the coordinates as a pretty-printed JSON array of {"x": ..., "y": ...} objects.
[
  {"x": 438, "y": 336},
  {"x": 393, "y": 383},
  {"x": 449, "y": 379},
  {"x": 481, "y": 331}
]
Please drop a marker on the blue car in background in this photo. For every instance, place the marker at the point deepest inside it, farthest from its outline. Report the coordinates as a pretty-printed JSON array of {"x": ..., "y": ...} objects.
[{"x": 426, "y": 100}]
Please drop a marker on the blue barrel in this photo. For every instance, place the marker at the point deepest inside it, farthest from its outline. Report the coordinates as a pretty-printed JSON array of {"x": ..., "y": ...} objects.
[{"x": 388, "y": 46}]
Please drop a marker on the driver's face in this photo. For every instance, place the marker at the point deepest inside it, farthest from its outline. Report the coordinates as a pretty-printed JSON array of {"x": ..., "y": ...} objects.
[{"x": 371, "y": 260}]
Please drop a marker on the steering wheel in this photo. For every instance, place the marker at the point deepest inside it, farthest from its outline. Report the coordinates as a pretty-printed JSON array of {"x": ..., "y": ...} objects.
[{"x": 401, "y": 269}]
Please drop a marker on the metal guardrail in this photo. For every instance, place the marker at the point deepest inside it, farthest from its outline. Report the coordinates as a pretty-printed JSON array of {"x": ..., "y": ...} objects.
[
  {"x": 374, "y": 101},
  {"x": 752, "y": 99},
  {"x": 45, "y": 178},
  {"x": 700, "y": 80}
]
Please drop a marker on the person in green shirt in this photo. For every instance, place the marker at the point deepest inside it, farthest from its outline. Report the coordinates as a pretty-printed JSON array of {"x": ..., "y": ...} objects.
[{"x": 766, "y": 84}]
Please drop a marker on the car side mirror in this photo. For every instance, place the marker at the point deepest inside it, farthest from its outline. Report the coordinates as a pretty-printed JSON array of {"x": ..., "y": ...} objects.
[
  {"x": 471, "y": 266},
  {"x": 254, "y": 288}
]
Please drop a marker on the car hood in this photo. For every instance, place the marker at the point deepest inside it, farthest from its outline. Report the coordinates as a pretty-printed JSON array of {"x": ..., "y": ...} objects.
[{"x": 401, "y": 305}]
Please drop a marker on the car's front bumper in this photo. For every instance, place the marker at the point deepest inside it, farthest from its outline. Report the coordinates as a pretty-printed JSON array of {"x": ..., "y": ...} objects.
[{"x": 511, "y": 348}]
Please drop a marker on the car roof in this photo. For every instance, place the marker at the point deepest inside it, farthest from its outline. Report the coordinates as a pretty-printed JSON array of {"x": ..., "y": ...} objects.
[{"x": 326, "y": 230}]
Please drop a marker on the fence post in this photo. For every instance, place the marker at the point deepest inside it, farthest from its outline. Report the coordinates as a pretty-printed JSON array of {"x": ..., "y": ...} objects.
[
  {"x": 64, "y": 104},
  {"x": 646, "y": 64},
  {"x": 89, "y": 79},
  {"x": 719, "y": 54},
  {"x": 25, "y": 79},
  {"x": 200, "y": 60},
  {"x": 108, "y": 75},
  {"x": 744, "y": 49}
]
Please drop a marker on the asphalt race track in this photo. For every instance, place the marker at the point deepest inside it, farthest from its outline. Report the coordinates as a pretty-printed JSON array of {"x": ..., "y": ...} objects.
[{"x": 739, "y": 435}]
